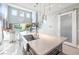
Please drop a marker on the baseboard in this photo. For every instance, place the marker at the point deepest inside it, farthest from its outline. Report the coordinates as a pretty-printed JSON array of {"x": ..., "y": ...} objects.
[{"x": 75, "y": 46}]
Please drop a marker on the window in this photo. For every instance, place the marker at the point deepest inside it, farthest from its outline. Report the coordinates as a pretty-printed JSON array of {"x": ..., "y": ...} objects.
[
  {"x": 0, "y": 9},
  {"x": 16, "y": 15},
  {"x": 14, "y": 12},
  {"x": 28, "y": 15},
  {"x": 33, "y": 17},
  {"x": 21, "y": 13}
]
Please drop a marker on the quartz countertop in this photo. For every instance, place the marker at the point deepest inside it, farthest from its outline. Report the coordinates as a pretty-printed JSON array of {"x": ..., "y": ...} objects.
[{"x": 45, "y": 43}]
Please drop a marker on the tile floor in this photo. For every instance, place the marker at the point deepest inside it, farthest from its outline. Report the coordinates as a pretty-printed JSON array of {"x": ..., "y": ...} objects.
[{"x": 8, "y": 48}]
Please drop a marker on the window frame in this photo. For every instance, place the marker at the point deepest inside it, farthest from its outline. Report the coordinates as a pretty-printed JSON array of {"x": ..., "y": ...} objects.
[{"x": 18, "y": 14}]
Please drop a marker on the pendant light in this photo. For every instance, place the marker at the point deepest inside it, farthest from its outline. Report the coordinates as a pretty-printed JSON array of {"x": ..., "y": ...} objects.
[
  {"x": 36, "y": 24},
  {"x": 44, "y": 15}
]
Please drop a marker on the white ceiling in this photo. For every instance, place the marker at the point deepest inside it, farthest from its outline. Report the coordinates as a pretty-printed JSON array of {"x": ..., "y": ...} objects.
[
  {"x": 44, "y": 6},
  {"x": 40, "y": 6}
]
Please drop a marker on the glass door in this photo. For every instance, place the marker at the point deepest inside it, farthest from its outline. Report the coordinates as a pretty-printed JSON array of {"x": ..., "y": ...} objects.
[
  {"x": 1, "y": 32},
  {"x": 67, "y": 27},
  {"x": 1, "y": 24}
]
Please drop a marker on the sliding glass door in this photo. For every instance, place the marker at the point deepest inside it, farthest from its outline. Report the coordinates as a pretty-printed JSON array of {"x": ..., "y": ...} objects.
[
  {"x": 67, "y": 27},
  {"x": 1, "y": 32},
  {"x": 1, "y": 24}
]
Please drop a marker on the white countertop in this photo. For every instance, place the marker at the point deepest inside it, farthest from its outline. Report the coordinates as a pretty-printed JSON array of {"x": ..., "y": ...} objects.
[{"x": 45, "y": 43}]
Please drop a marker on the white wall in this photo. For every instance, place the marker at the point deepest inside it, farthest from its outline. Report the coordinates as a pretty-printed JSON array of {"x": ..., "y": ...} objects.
[{"x": 51, "y": 26}]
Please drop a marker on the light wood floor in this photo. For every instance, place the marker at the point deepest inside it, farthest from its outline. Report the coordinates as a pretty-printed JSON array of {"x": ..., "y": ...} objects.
[{"x": 70, "y": 50}]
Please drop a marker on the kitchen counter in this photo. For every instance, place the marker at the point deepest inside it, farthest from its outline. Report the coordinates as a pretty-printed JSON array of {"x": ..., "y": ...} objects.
[{"x": 45, "y": 44}]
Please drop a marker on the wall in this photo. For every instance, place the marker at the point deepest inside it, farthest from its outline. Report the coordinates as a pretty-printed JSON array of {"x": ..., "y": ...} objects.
[{"x": 51, "y": 25}]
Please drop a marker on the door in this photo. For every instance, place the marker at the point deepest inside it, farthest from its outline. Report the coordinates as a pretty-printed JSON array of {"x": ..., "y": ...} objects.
[
  {"x": 67, "y": 27},
  {"x": 1, "y": 24},
  {"x": 1, "y": 32}
]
